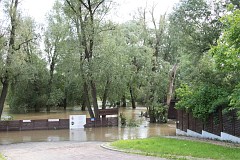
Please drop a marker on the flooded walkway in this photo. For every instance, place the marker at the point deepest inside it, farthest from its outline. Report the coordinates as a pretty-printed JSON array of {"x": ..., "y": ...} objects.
[
  {"x": 81, "y": 143},
  {"x": 105, "y": 134}
]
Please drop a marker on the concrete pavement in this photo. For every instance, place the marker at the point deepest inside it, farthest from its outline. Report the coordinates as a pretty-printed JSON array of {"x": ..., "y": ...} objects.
[{"x": 66, "y": 150}]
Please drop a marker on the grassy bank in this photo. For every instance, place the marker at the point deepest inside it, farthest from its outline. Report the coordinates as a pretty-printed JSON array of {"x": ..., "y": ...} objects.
[{"x": 173, "y": 148}]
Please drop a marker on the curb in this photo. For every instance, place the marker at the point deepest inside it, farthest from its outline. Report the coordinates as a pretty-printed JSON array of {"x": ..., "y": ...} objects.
[{"x": 108, "y": 147}]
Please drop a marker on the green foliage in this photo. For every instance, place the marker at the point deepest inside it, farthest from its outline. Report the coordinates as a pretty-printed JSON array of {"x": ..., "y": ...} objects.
[
  {"x": 201, "y": 100},
  {"x": 194, "y": 27},
  {"x": 132, "y": 123},
  {"x": 227, "y": 52},
  {"x": 28, "y": 72},
  {"x": 235, "y": 98},
  {"x": 158, "y": 112},
  {"x": 205, "y": 80},
  {"x": 172, "y": 148},
  {"x": 117, "y": 57},
  {"x": 28, "y": 90},
  {"x": 123, "y": 120},
  {"x": 184, "y": 93},
  {"x": 206, "y": 90},
  {"x": 129, "y": 123}
]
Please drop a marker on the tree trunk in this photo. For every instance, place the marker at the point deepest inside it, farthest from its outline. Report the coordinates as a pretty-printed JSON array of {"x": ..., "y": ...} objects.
[
  {"x": 124, "y": 103},
  {"x": 49, "y": 89},
  {"x": 3, "y": 95},
  {"x": 36, "y": 108},
  {"x": 172, "y": 76},
  {"x": 105, "y": 95},
  {"x": 94, "y": 99},
  {"x": 5, "y": 80},
  {"x": 88, "y": 100},
  {"x": 52, "y": 68},
  {"x": 48, "y": 108},
  {"x": 84, "y": 101},
  {"x": 36, "y": 90},
  {"x": 65, "y": 103},
  {"x": 85, "y": 25},
  {"x": 132, "y": 98},
  {"x": 152, "y": 116},
  {"x": 83, "y": 108}
]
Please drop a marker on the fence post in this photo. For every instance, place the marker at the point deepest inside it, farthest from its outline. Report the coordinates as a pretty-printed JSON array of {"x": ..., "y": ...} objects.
[
  {"x": 233, "y": 123},
  {"x": 220, "y": 119}
]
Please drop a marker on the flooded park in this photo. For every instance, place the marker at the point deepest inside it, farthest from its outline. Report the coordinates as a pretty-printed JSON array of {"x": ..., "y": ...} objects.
[{"x": 143, "y": 128}]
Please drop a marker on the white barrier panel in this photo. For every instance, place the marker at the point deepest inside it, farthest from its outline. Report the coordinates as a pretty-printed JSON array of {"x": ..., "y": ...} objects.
[
  {"x": 25, "y": 121},
  {"x": 53, "y": 120},
  {"x": 228, "y": 137},
  {"x": 206, "y": 134},
  {"x": 180, "y": 132},
  {"x": 77, "y": 121},
  {"x": 193, "y": 134},
  {"x": 224, "y": 136}
]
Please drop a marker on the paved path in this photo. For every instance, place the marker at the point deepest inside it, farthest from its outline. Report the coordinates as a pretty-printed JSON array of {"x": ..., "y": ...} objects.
[{"x": 65, "y": 151}]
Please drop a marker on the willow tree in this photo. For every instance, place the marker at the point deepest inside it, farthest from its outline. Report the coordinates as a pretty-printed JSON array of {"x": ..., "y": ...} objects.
[
  {"x": 11, "y": 48},
  {"x": 27, "y": 88},
  {"x": 56, "y": 39},
  {"x": 12, "y": 45},
  {"x": 87, "y": 16}
]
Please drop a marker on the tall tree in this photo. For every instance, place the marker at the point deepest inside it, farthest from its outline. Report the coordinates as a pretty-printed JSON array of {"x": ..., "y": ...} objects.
[
  {"x": 27, "y": 87},
  {"x": 88, "y": 15},
  {"x": 55, "y": 46},
  {"x": 13, "y": 11}
]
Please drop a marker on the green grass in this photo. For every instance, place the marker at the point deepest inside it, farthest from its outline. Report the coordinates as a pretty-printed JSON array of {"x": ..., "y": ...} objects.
[
  {"x": 175, "y": 148},
  {"x": 1, "y": 157}
]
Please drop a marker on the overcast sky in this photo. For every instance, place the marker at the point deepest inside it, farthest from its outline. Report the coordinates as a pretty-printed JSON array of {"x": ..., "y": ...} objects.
[{"x": 123, "y": 12}]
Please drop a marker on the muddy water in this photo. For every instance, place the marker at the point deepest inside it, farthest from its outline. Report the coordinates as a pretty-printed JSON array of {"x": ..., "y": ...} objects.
[{"x": 144, "y": 129}]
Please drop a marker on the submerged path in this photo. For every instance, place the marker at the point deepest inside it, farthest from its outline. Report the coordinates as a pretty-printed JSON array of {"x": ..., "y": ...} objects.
[{"x": 65, "y": 150}]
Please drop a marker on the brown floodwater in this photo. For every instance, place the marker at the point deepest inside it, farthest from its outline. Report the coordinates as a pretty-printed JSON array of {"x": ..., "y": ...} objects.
[{"x": 106, "y": 134}]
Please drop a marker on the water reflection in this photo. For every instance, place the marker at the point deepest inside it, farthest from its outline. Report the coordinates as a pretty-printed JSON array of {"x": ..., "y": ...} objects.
[{"x": 106, "y": 134}]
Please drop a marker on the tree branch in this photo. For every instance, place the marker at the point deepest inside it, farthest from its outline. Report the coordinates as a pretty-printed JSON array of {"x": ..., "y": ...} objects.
[
  {"x": 19, "y": 45},
  {"x": 71, "y": 6},
  {"x": 84, "y": 4},
  {"x": 94, "y": 10},
  {"x": 108, "y": 29}
]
